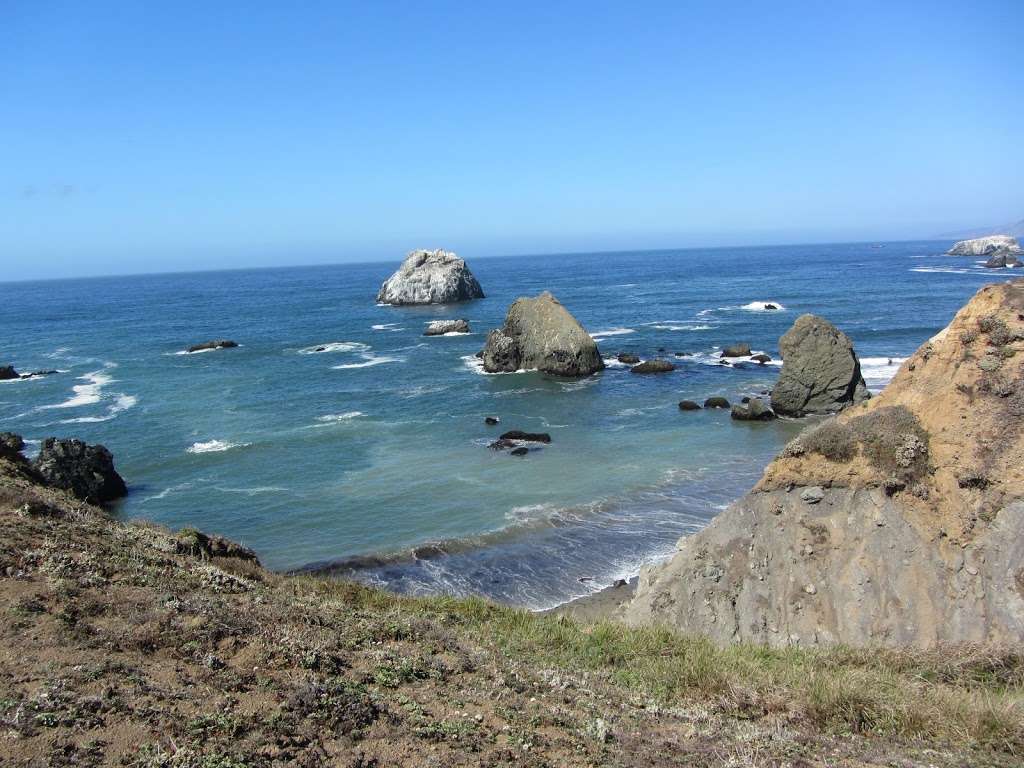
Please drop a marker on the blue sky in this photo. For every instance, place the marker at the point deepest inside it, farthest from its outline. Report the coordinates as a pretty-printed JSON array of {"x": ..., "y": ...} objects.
[{"x": 141, "y": 138}]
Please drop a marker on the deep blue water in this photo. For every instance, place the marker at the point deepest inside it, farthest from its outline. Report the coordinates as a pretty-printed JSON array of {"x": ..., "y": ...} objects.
[{"x": 377, "y": 445}]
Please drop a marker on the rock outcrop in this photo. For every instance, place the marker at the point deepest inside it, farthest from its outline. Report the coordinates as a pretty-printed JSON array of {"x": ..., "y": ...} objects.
[
  {"x": 820, "y": 371},
  {"x": 216, "y": 344},
  {"x": 441, "y": 327},
  {"x": 7, "y": 373},
  {"x": 983, "y": 246},
  {"x": 752, "y": 410},
  {"x": 897, "y": 522},
  {"x": 736, "y": 350},
  {"x": 87, "y": 471},
  {"x": 1002, "y": 257},
  {"x": 653, "y": 366},
  {"x": 540, "y": 334},
  {"x": 430, "y": 277}
]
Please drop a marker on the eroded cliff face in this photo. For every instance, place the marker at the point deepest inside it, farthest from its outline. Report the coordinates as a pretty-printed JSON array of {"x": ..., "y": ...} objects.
[{"x": 899, "y": 521}]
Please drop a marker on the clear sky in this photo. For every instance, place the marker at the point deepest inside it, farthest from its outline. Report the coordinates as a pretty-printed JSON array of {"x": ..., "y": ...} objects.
[{"x": 142, "y": 136}]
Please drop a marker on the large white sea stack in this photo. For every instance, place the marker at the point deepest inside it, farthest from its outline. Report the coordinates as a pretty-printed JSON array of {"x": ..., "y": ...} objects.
[
  {"x": 983, "y": 246},
  {"x": 430, "y": 277}
]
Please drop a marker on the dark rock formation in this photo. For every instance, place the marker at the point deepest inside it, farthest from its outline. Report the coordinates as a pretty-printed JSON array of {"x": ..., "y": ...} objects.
[
  {"x": 754, "y": 409},
  {"x": 736, "y": 350},
  {"x": 769, "y": 306},
  {"x": 7, "y": 373},
  {"x": 11, "y": 446},
  {"x": 688, "y": 405},
  {"x": 1002, "y": 257},
  {"x": 762, "y": 358},
  {"x": 716, "y": 402},
  {"x": 219, "y": 344},
  {"x": 527, "y": 437},
  {"x": 430, "y": 277},
  {"x": 820, "y": 371},
  {"x": 628, "y": 359},
  {"x": 192, "y": 542},
  {"x": 540, "y": 334},
  {"x": 441, "y": 327},
  {"x": 520, "y": 451},
  {"x": 491, "y": 420},
  {"x": 87, "y": 471},
  {"x": 653, "y": 366}
]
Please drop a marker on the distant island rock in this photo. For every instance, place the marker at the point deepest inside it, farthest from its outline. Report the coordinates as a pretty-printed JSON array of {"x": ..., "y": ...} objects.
[
  {"x": 897, "y": 522},
  {"x": 540, "y": 334},
  {"x": 441, "y": 327},
  {"x": 820, "y": 371},
  {"x": 983, "y": 246},
  {"x": 218, "y": 344},
  {"x": 430, "y": 277}
]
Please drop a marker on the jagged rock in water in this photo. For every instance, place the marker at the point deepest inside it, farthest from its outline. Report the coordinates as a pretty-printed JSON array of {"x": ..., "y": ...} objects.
[
  {"x": 526, "y": 437},
  {"x": 441, "y": 327},
  {"x": 983, "y": 246},
  {"x": 540, "y": 334},
  {"x": 1002, "y": 257},
  {"x": 752, "y": 410},
  {"x": 820, "y": 371},
  {"x": 628, "y": 359},
  {"x": 87, "y": 471},
  {"x": 218, "y": 344},
  {"x": 736, "y": 350},
  {"x": 761, "y": 359},
  {"x": 7, "y": 373},
  {"x": 897, "y": 522},
  {"x": 430, "y": 277},
  {"x": 653, "y": 366}
]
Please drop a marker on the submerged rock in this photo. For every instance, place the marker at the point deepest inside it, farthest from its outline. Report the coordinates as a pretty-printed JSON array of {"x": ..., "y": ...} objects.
[
  {"x": 491, "y": 420},
  {"x": 540, "y": 334},
  {"x": 736, "y": 350},
  {"x": 7, "y": 373},
  {"x": 87, "y": 471},
  {"x": 628, "y": 359},
  {"x": 716, "y": 402},
  {"x": 520, "y": 451},
  {"x": 441, "y": 327},
  {"x": 219, "y": 344},
  {"x": 983, "y": 246},
  {"x": 762, "y": 359},
  {"x": 688, "y": 405},
  {"x": 526, "y": 437},
  {"x": 653, "y": 366},
  {"x": 753, "y": 409},
  {"x": 430, "y": 277},
  {"x": 820, "y": 371}
]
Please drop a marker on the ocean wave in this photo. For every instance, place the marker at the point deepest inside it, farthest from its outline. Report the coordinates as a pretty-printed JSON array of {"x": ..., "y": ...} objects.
[
  {"x": 369, "y": 360},
  {"x": 214, "y": 446},
  {"x": 334, "y": 418},
  {"x": 947, "y": 270},
  {"x": 614, "y": 362},
  {"x": 168, "y": 491},
  {"x": 715, "y": 358},
  {"x": 335, "y": 346},
  {"x": 89, "y": 393},
  {"x": 762, "y": 306},
  {"x": 612, "y": 332},
  {"x": 879, "y": 371},
  {"x": 252, "y": 491},
  {"x": 122, "y": 402},
  {"x": 683, "y": 327},
  {"x": 386, "y": 326}
]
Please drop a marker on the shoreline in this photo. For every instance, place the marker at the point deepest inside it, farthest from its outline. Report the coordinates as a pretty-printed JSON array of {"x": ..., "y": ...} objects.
[{"x": 597, "y": 606}]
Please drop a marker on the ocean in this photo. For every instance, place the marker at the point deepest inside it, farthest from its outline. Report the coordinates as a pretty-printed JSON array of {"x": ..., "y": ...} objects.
[{"x": 338, "y": 437}]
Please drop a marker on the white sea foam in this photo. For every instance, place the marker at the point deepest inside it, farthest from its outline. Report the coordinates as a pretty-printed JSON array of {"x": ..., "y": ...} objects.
[
  {"x": 946, "y": 270},
  {"x": 683, "y": 327},
  {"x": 121, "y": 403},
  {"x": 88, "y": 393},
  {"x": 476, "y": 365},
  {"x": 334, "y": 418},
  {"x": 614, "y": 362},
  {"x": 214, "y": 446},
  {"x": 369, "y": 360},
  {"x": 335, "y": 346},
  {"x": 879, "y": 371},
  {"x": 252, "y": 491},
  {"x": 168, "y": 491},
  {"x": 611, "y": 332},
  {"x": 386, "y": 327},
  {"x": 762, "y": 306}
]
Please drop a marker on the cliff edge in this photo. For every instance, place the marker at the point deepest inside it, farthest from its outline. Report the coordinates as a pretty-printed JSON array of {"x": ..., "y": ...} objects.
[{"x": 899, "y": 521}]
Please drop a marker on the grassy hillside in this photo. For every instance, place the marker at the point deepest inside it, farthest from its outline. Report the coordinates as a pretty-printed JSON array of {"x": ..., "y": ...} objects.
[{"x": 131, "y": 645}]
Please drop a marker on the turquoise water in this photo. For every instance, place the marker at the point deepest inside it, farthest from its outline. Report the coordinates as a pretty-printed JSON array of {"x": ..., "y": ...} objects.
[{"x": 372, "y": 454}]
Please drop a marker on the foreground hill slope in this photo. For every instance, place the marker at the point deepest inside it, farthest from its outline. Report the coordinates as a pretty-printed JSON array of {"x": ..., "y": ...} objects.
[
  {"x": 130, "y": 645},
  {"x": 899, "y": 521}
]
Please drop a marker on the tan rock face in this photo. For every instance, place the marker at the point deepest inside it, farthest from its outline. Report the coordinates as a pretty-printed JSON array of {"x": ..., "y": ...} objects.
[{"x": 917, "y": 533}]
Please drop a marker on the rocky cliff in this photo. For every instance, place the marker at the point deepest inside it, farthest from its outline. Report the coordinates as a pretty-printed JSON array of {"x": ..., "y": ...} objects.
[
  {"x": 983, "y": 246},
  {"x": 900, "y": 521}
]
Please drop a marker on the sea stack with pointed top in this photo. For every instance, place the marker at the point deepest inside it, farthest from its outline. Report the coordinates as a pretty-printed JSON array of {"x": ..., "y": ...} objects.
[
  {"x": 820, "y": 371},
  {"x": 430, "y": 277},
  {"x": 540, "y": 334}
]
